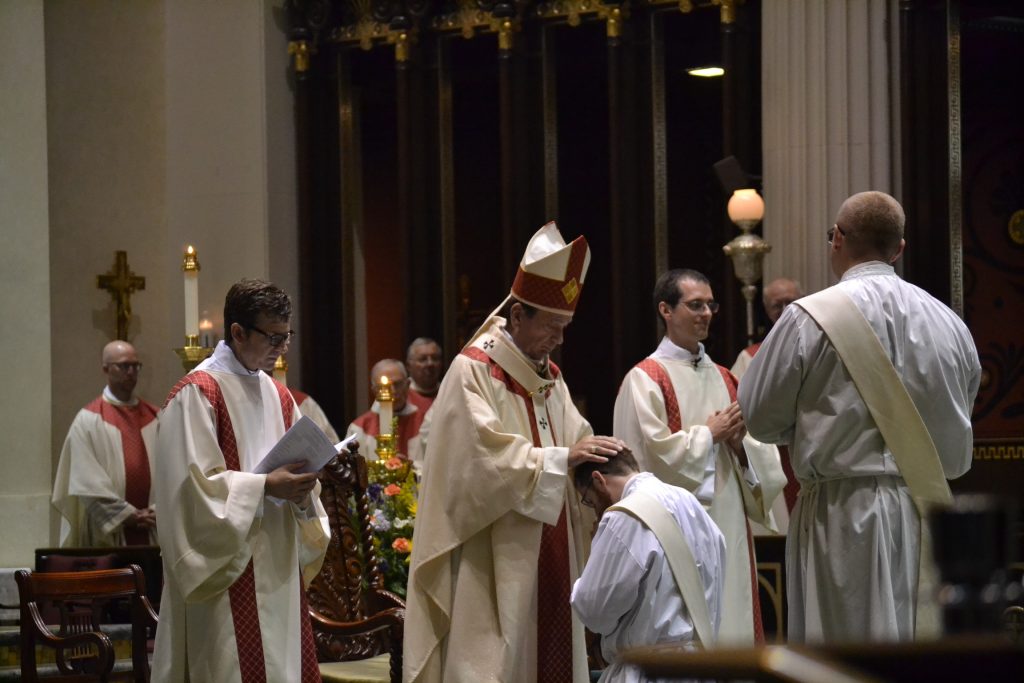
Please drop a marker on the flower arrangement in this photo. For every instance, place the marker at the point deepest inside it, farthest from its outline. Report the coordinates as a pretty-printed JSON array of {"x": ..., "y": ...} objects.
[{"x": 392, "y": 494}]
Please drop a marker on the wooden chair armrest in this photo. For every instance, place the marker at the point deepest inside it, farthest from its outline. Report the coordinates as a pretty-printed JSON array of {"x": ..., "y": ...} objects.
[
  {"x": 101, "y": 641},
  {"x": 391, "y": 619},
  {"x": 382, "y": 599}
]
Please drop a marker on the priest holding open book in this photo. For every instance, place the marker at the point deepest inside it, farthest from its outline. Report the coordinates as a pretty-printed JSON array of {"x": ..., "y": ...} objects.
[{"x": 238, "y": 546}]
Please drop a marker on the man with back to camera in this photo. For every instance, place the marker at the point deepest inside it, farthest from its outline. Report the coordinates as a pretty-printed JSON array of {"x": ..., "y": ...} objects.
[
  {"x": 854, "y": 551},
  {"x": 102, "y": 487}
]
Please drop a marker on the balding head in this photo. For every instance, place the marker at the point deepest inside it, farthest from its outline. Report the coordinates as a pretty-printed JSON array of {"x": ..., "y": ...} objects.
[
  {"x": 871, "y": 226},
  {"x": 394, "y": 370},
  {"x": 778, "y": 294},
  {"x": 423, "y": 360},
  {"x": 121, "y": 366}
]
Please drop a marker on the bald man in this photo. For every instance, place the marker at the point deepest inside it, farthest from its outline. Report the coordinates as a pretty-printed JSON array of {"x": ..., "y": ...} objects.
[
  {"x": 367, "y": 426},
  {"x": 102, "y": 489},
  {"x": 854, "y": 551},
  {"x": 778, "y": 294}
]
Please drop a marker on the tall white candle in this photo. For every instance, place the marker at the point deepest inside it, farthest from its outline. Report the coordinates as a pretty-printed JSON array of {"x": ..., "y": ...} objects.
[
  {"x": 385, "y": 400},
  {"x": 190, "y": 267}
]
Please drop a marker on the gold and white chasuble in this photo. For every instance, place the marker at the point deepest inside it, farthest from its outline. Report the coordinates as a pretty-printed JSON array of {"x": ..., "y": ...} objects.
[
  {"x": 494, "y": 487},
  {"x": 660, "y": 413}
]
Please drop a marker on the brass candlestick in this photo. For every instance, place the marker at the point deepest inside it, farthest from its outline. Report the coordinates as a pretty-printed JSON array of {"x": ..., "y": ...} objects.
[{"x": 192, "y": 354}]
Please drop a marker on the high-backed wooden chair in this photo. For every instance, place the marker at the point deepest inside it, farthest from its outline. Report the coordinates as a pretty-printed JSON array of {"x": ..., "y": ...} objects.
[
  {"x": 83, "y": 600},
  {"x": 354, "y": 618}
]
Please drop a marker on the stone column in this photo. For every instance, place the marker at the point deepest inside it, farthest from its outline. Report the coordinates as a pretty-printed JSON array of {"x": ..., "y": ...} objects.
[{"x": 829, "y": 74}]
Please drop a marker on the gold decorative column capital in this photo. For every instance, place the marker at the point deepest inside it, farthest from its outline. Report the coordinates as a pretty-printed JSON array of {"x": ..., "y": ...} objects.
[
  {"x": 505, "y": 27},
  {"x": 402, "y": 40},
  {"x": 685, "y": 6},
  {"x": 728, "y": 10},
  {"x": 300, "y": 50},
  {"x": 614, "y": 16}
]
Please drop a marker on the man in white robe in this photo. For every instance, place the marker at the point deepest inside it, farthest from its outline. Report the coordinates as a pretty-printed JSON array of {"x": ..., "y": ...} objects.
[
  {"x": 425, "y": 364},
  {"x": 628, "y": 592},
  {"x": 366, "y": 427},
  {"x": 500, "y": 534},
  {"x": 677, "y": 412},
  {"x": 311, "y": 409},
  {"x": 778, "y": 294},
  {"x": 852, "y": 554},
  {"x": 238, "y": 548},
  {"x": 102, "y": 487}
]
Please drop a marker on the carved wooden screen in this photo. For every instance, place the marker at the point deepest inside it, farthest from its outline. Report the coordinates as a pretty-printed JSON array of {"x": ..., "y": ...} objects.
[{"x": 436, "y": 137}]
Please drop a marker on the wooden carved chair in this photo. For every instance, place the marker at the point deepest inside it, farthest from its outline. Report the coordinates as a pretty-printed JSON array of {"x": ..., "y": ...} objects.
[
  {"x": 83, "y": 600},
  {"x": 354, "y": 618}
]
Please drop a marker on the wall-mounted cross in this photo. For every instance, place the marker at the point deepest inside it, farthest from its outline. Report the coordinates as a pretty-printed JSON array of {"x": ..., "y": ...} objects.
[{"x": 121, "y": 282}]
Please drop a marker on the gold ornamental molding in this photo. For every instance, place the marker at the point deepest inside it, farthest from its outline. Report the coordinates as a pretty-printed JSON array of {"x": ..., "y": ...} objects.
[
  {"x": 467, "y": 19},
  {"x": 999, "y": 452},
  {"x": 300, "y": 50},
  {"x": 1016, "y": 226}
]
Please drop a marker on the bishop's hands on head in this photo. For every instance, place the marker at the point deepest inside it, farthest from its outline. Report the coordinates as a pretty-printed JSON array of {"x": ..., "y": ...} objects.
[{"x": 595, "y": 449}]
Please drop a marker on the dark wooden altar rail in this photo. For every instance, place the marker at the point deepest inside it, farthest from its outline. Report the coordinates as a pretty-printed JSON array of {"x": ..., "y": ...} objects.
[{"x": 953, "y": 660}]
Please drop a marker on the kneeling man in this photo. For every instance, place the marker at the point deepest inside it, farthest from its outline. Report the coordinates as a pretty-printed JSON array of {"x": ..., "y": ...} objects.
[{"x": 657, "y": 564}]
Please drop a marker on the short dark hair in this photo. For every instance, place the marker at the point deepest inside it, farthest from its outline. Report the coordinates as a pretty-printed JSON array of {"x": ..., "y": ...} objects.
[
  {"x": 506, "y": 310},
  {"x": 248, "y": 298},
  {"x": 623, "y": 463},
  {"x": 873, "y": 224},
  {"x": 667, "y": 287}
]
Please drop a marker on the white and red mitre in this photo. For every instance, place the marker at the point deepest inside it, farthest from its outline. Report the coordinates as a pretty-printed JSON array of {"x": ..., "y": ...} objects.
[{"x": 551, "y": 274}]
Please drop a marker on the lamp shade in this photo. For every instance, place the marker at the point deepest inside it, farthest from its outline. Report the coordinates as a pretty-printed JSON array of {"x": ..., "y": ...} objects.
[{"x": 746, "y": 205}]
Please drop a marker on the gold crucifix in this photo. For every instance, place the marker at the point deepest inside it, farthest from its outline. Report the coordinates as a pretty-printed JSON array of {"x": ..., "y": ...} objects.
[{"x": 121, "y": 282}]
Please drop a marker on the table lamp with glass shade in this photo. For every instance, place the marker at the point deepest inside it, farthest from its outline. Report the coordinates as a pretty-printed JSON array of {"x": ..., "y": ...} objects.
[{"x": 747, "y": 250}]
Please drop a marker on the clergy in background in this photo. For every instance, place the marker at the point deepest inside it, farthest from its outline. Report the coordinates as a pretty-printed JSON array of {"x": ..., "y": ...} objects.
[
  {"x": 853, "y": 553},
  {"x": 425, "y": 363},
  {"x": 500, "y": 534},
  {"x": 102, "y": 488},
  {"x": 238, "y": 548},
  {"x": 366, "y": 427},
  {"x": 311, "y": 409},
  {"x": 777, "y": 294},
  {"x": 677, "y": 411}
]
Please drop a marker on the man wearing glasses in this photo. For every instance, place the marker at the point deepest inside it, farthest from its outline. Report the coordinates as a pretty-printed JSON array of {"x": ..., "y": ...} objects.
[
  {"x": 366, "y": 427},
  {"x": 102, "y": 488},
  {"x": 854, "y": 552},
  {"x": 677, "y": 411},
  {"x": 238, "y": 547}
]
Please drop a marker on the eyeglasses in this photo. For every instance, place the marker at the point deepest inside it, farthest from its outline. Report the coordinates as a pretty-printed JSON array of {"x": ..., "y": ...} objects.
[
  {"x": 274, "y": 339},
  {"x": 126, "y": 366},
  {"x": 697, "y": 305},
  {"x": 832, "y": 232}
]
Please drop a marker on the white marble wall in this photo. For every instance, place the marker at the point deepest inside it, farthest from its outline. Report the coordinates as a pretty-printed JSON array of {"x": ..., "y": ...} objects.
[
  {"x": 24, "y": 283},
  {"x": 137, "y": 126},
  {"x": 829, "y": 116}
]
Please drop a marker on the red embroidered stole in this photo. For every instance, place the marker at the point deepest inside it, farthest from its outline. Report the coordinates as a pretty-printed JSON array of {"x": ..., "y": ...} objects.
[
  {"x": 554, "y": 613},
  {"x": 129, "y": 421},
  {"x": 660, "y": 376},
  {"x": 242, "y": 593}
]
